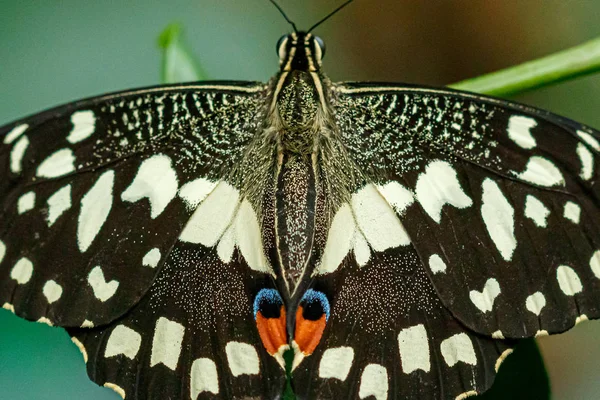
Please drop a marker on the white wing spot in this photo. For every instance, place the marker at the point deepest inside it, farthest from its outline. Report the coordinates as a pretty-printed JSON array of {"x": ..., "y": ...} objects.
[
  {"x": 438, "y": 186},
  {"x": 498, "y": 335},
  {"x": 535, "y": 303},
  {"x": 377, "y": 221},
  {"x": 9, "y": 307},
  {"x": 587, "y": 162},
  {"x": 95, "y": 207},
  {"x": 123, "y": 340},
  {"x": 15, "y": 133},
  {"x": 102, "y": 290},
  {"x": 519, "y": 131},
  {"x": 203, "y": 377},
  {"x": 242, "y": 359},
  {"x": 536, "y": 211},
  {"x": 58, "y": 203},
  {"x": 374, "y": 382},
  {"x": 212, "y": 216},
  {"x": 414, "y": 349},
  {"x": 44, "y": 320},
  {"x": 581, "y": 318},
  {"x": 52, "y": 291},
  {"x": 166, "y": 344},
  {"x": 436, "y": 264},
  {"x": 362, "y": 252},
  {"x": 368, "y": 222},
  {"x": 59, "y": 163},
  {"x": 2, "y": 251},
  {"x": 116, "y": 388},
  {"x": 499, "y": 218},
  {"x": 339, "y": 240},
  {"x": 399, "y": 197},
  {"x": 568, "y": 280},
  {"x": 84, "y": 124},
  {"x": 589, "y": 139},
  {"x": 484, "y": 300},
  {"x": 458, "y": 348},
  {"x": 594, "y": 262},
  {"x": 249, "y": 238},
  {"x": 17, "y": 153},
  {"x": 152, "y": 258},
  {"x": 26, "y": 202},
  {"x": 155, "y": 180},
  {"x": 572, "y": 212},
  {"x": 226, "y": 245},
  {"x": 22, "y": 271},
  {"x": 336, "y": 363},
  {"x": 87, "y": 324},
  {"x": 194, "y": 192},
  {"x": 541, "y": 172}
]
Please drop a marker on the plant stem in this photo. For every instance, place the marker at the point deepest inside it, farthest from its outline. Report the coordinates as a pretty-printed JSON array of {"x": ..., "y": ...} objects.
[{"x": 568, "y": 64}]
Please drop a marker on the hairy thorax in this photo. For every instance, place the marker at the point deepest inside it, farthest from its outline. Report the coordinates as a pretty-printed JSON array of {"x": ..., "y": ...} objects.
[{"x": 298, "y": 108}]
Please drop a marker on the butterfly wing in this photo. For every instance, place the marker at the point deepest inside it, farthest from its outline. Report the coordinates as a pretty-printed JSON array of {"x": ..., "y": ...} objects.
[
  {"x": 191, "y": 336},
  {"x": 479, "y": 224},
  {"x": 389, "y": 336},
  {"x": 95, "y": 196},
  {"x": 502, "y": 202}
]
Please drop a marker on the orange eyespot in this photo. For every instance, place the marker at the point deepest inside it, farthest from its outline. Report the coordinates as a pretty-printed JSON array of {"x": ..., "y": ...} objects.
[
  {"x": 270, "y": 317},
  {"x": 311, "y": 317}
]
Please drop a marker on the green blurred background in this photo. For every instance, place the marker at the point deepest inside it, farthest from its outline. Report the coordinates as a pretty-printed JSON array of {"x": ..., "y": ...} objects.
[{"x": 55, "y": 52}]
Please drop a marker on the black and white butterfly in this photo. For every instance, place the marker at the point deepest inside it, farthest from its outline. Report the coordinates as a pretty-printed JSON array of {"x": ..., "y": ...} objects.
[{"x": 399, "y": 239}]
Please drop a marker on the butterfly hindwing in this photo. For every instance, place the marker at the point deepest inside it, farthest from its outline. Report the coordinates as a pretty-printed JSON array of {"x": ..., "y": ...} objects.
[
  {"x": 499, "y": 200},
  {"x": 192, "y": 336},
  {"x": 95, "y": 194},
  {"x": 389, "y": 336}
]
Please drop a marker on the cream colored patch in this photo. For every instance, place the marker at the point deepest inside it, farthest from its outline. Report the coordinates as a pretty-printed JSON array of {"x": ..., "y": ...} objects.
[
  {"x": 568, "y": 280},
  {"x": 22, "y": 271},
  {"x": 9, "y": 307},
  {"x": 535, "y": 303},
  {"x": 413, "y": 345},
  {"x": 166, "y": 343},
  {"x": 116, "y": 388},
  {"x": 44, "y": 320},
  {"x": 81, "y": 348},
  {"x": 203, "y": 377},
  {"x": 581, "y": 318},
  {"x": 464, "y": 395},
  {"x": 242, "y": 359},
  {"x": 572, "y": 212},
  {"x": 502, "y": 357},
  {"x": 458, "y": 348},
  {"x": 374, "y": 382},
  {"x": 484, "y": 300},
  {"x": 52, "y": 291},
  {"x": 123, "y": 340},
  {"x": 498, "y": 335},
  {"x": 336, "y": 363}
]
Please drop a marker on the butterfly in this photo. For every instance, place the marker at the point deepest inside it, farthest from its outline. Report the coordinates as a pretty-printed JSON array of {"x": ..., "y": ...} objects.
[{"x": 398, "y": 239}]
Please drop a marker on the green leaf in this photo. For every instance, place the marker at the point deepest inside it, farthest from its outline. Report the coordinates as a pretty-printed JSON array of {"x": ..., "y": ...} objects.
[
  {"x": 178, "y": 64},
  {"x": 568, "y": 64},
  {"x": 521, "y": 376}
]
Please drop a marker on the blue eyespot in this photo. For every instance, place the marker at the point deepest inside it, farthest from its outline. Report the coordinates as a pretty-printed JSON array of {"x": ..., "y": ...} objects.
[
  {"x": 314, "y": 304},
  {"x": 268, "y": 302}
]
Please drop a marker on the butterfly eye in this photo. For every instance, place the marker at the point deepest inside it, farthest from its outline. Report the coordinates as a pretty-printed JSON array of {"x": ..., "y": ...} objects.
[
  {"x": 311, "y": 317},
  {"x": 281, "y": 46},
  {"x": 320, "y": 45},
  {"x": 269, "y": 314}
]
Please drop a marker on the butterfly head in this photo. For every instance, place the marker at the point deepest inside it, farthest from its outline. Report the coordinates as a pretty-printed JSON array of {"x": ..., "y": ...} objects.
[{"x": 300, "y": 51}]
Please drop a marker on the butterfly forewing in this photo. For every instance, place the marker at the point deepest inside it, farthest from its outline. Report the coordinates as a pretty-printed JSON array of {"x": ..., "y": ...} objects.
[{"x": 501, "y": 202}]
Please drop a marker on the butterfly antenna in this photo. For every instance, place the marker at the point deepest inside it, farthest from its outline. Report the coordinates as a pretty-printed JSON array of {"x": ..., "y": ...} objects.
[
  {"x": 284, "y": 16},
  {"x": 331, "y": 14}
]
